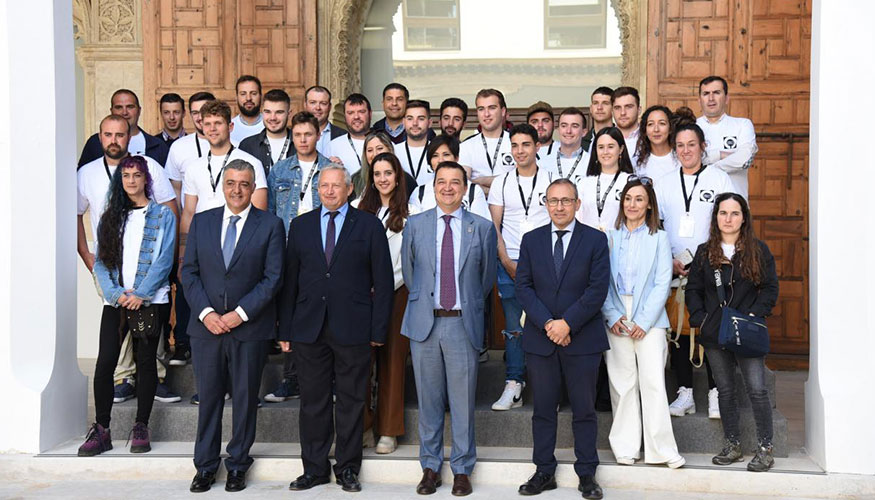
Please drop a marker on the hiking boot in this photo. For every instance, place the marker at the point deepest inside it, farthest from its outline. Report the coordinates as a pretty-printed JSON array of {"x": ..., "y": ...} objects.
[
  {"x": 96, "y": 442},
  {"x": 763, "y": 460},
  {"x": 140, "y": 438},
  {"x": 730, "y": 453},
  {"x": 684, "y": 403}
]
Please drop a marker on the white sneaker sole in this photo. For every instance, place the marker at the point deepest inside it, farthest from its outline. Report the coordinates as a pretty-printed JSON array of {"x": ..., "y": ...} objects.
[
  {"x": 174, "y": 399},
  {"x": 680, "y": 412},
  {"x": 498, "y": 407},
  {"x": 177, "y": 362},
  {"x": 714, "y": 415},
  {"x": 626, "y": 461}
]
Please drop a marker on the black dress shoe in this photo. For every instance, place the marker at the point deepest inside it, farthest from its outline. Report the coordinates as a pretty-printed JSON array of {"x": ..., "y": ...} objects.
[
  {"x": 430, "y": 482},
  {"x": 589, "y": 488},
  {"x": 202, "y": 481},
  {"x": 307, "y": 481},
  {"x": 348, "y": 480},
  {"x": 539, "y": 482},
  {"x": 236, "y": 481}
]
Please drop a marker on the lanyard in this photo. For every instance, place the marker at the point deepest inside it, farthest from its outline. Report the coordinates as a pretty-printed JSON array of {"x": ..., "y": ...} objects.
[
  {"x": 106, "y": 167},
  {"x": 197, "y": 142},
  {"x": 410, "y": 160},
  {"x": 357, "y": 156},
  {"x": 550, "y": 149},
  {"x": 385, "y": 214},
  {"x": 527, "y": 203},
  {"x": 573, "y": 167},
  {"x": 689, "y": 199},
  {"x": 306, "y": 185},
  {"x": 494, "y": 159},
  {"x": 215, "y": 182},
  {"x": 282, "y": 152},
  {"x": 599, "y": 199}
]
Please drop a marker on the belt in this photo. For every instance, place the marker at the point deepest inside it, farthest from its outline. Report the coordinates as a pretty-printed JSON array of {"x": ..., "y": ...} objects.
[{"x": 443, "y": 313}]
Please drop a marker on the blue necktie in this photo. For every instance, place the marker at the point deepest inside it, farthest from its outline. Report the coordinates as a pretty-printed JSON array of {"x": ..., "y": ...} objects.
[
  {"x": 230, "y": 240},
  {"x": 558, "y": 252}
]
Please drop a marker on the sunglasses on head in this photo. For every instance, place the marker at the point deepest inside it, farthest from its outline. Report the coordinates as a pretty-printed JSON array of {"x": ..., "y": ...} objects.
[{"x": 644, "y": 180}]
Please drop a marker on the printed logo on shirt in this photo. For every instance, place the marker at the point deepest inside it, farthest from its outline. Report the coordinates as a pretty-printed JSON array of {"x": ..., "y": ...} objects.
[
  {"x": 707, "y": 195},
  {"x": 507, "y": 160},
  {"x": 730, "y": 142},
  {"x": 617, "y": 193}
]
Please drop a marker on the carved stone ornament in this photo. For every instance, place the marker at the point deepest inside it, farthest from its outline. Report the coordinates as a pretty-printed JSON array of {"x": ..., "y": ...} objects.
[
  {"x": 81, "y": 19},
  {"x": 117, "y": 21}
]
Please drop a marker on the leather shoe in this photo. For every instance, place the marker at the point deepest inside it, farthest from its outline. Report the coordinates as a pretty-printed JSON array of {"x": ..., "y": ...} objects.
[
  {"x": 236, "y": 481},
  {"x": 590, "y": 488},
  {"x": 348, "y": 480},
  {"x": 461, "y": 485},
  {"x": 539, "y": 482},
  {"x": 202, "y": 481},
  {"x": 430, "y": 482},
  {"x": 307, "y": 481}
]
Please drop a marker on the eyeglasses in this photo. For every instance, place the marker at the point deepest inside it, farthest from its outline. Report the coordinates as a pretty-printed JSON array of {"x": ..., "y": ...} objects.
[
  {"x": 566, "y": 202},
  {"x": 644, "y": 180}
]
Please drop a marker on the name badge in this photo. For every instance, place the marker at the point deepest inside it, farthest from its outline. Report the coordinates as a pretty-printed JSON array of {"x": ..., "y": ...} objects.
[
  {"x": 526, "y": 226},
  {"x": 687, "y": 226}
]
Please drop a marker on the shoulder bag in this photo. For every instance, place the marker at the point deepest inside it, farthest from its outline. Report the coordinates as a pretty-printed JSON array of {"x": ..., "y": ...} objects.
[{"x": 745, "y": 335}]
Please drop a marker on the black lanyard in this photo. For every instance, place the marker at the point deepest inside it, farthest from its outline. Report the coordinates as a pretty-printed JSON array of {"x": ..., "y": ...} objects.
[
  {"x": 352, "y": 146},
  {"x": 573, "y": 167},
  {"x": 550, "y": 149},
  {"x": 410, "y": 160},
  {"x": 527, "y": 203},
  {"x": 215, "y": 182},
  {"x": 599, "y": 199},
  {"x": 385, "y": 214},
  {"x": 197, "y": 142},
  {"x": 282, "y": 152},
  {"x": 106, "y": 167},
  {"x": 306, "y": 185},
  {"x": 689, "y": 199},
  {"x": 494, "y": 159}
]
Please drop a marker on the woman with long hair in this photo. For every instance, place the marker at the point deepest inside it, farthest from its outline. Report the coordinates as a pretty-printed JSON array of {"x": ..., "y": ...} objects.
[
  {"x": 653, "y": 155},
  {"x": 135, "y": 247},
  {"x": 609, "y": 167},
  {"x": 635, "y": 312},
  {"x": 385, "y": 196},
  {"x": 376, "y": 142},
  {"x": 750, "y": 283}
]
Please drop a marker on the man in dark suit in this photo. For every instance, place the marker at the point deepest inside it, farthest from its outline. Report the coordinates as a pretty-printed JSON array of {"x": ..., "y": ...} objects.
[
  {"x": 231, "y": 275},
  {"x": 335, "y": 305},
  {"x": 562, "y": 280}
]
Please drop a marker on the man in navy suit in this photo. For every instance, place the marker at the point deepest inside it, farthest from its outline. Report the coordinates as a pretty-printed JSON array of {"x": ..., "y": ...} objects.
[
  {"x": 562, "y": 280},
  {"x": 231, "y": 274},
  {"x": 335, "y": 305}
]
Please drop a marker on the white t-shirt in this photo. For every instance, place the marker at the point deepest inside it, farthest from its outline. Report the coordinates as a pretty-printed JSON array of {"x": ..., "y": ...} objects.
[
  {"x": 730, "y": 144},
  {"x": 93, "y": 184},
  {"x": 632, "y": 146},
  {"x": 137, "y": 144},
  {"x": 683, "y": 232},
  {"x": 198, "y": 180},
  {"x": 306, "y": 170},
  {"x": 571, "y": 167},
  {"x": 349, "y": 151},
  {"x": 548, "y": 150},
  {"x": 728, "y": 250},
  {"x": 131, "y": 243},
  {"x": 420, "y": 170},
  {"x": 473, "y": 154},
  {"x": 505, "y": 191},
  {"x": 608, "y": 190},
  {"x": 182, "y": 149},
  {"x": 276, "y": 148},
  {"x": 422, "y": 199},
  {"x": 657, "y": 166},
  {"x": 242, "y": 130}
]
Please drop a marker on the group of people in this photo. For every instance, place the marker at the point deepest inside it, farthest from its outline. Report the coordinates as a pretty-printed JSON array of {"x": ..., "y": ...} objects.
[{"x": 350, "y": 249}]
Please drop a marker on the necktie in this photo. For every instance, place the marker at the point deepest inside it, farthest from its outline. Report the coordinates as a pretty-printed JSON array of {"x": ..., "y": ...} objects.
[
  {"x": 329, "y": 237},
  {"x": 448, "y": 268},
  {"x": 558, "y": 252},
  {"x": 230, "y": 240}
]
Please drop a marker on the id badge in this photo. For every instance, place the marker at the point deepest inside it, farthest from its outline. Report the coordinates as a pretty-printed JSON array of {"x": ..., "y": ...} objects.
[
  {"x": 525, "y": 227},
  {"x": 687, "y": 226}
]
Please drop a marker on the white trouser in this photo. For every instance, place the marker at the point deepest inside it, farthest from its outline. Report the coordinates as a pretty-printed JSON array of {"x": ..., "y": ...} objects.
[
  {"x": 126, "y": 368},
  {"x": 638, "y": 366}
]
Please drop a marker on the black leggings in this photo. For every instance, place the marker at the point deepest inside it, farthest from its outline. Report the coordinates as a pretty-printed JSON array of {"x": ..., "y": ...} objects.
[
  {"x": 107, "y": 358},
  {"x": 683, "y": 368}
]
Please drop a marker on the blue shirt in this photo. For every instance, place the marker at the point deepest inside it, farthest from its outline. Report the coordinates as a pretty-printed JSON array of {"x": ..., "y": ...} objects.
[
  {"x": 630, "y": 245},
  {"x": 456, "y": 226},
  {"x": 338, "y": 222},
  {"x": 394, "y": 132}
]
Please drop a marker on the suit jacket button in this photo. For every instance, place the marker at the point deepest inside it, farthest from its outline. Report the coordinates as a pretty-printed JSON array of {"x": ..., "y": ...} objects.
[
  {"x": 323, "y": 297},
  {"x": 327, "y": 275}
]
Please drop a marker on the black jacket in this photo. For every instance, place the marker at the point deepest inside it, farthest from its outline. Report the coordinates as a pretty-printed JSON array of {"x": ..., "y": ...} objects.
[
  {"x": 258, "y": 146},
  {"x": 742, "y": 293},
  {"x": 156, "y": 149}
]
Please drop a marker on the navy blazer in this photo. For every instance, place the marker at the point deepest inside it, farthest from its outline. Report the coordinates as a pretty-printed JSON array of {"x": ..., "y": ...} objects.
[
  {"x": 252, "y": 280},
  {"x": 156, "y": 149},
  {"x": 353, "y": 294},
  {"x": 576, "y": 295}
]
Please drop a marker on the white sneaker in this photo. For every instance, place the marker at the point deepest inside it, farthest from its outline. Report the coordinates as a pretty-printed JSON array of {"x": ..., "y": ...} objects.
[
  {"x": 713, "y": 405},
  {"x": 684, "y": 404},
  {"x": 512, "y": 397},
  {"x": 676, "y": 463},
  {"x": 386, "y": 445}
]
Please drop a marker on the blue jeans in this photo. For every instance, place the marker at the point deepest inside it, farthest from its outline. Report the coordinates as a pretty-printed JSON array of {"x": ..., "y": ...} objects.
[
  {"x": 515, "y": 360},
  {"x": 753, "y": 371}
]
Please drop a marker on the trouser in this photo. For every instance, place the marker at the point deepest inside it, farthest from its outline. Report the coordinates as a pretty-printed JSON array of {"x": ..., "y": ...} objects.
[
  {"x": 546, "y": 374},
  {"x": 636, "y": 370},
  {"x": 683, "y": 367},
  {"x": 125, "y": 368},
  {"x": 183, "y": 314},
  {"x": 515, "y": 360},
  {"x": 753, "y": 371},
  {"x": 445, "y": 368},
  {"x": 219, "y": 358},
  {"x": 391, "y": 371},
  {"x": 348, "y": 365},
  {"x": 110, "y": 343}
]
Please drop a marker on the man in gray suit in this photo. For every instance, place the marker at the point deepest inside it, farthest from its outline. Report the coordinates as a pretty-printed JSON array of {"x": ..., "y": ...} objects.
[{"x": 448, "y": 258}]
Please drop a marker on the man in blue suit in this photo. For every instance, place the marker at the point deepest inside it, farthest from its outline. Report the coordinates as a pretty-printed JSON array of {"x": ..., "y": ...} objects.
[
  {"x": 448, "y": 259},
  {"x": 562, "y": 280},
  {"x": 335, "y": 305},
  {"x": 231, "y": 273}
]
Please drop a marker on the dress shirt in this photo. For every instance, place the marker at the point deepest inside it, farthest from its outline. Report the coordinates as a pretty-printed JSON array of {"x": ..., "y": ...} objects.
[
  {"x": 226, "y": 220},
  {"x": 394, "y": 132},
  {"x": 167, "y": 138},
  {"x": 324, "y": 139},
  {"x": 566, "y": 238},
  {"x": 456, "y": 226},
  {"x": 338, "y": 222},
  {"x": 630, "y": 245}
]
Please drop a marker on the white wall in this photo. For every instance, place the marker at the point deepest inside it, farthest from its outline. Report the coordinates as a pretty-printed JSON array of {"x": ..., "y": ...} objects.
[{"x": 839, "y": 395}]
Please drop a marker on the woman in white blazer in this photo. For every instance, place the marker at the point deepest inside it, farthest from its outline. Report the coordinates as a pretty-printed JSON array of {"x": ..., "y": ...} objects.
[
  {"x": 634, "y": 312},
  {"x": 385, "y": 195}
]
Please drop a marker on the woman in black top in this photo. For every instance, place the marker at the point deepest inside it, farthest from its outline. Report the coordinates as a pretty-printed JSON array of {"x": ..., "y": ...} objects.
[{"x": 748, "y": 275}]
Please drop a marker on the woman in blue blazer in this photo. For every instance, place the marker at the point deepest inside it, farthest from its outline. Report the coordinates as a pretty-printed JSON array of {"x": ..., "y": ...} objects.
[{"x": 634, "y": 312}]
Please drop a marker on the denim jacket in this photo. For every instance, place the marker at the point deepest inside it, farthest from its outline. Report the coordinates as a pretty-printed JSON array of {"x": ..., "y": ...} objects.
[
  {"x": 153, "y": 271},
  {"x": 284, "y": 184}
]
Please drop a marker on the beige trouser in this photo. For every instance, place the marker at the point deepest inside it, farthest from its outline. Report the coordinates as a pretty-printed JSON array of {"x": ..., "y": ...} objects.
[
  {"x": 126, "y": 367},
  {"x": 638, "y": 367}
]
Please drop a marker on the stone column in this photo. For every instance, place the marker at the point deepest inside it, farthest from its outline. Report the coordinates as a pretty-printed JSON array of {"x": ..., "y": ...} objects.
[
  {"x": 839, "y": 395},
  {"x": 43, "y": 392}
]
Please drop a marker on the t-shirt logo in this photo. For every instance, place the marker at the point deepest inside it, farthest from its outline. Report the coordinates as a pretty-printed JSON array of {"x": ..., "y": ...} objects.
[
  {"x": 507, "y": 160},
  {"x": 707, "y": 195},
  {"x": 541, "y": 198},
  {"x": 617, "y": 194},
  {"x": 730, "y": 142}
]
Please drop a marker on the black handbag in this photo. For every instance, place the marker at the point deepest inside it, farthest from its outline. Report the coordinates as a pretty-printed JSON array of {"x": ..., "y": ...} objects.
[
  {"x": 143, "y": 322},
  {"x": 745, "y": 335}
]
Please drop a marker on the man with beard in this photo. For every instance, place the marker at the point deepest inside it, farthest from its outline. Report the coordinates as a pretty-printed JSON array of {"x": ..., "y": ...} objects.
[
  {"x": 454, "y": 114},
  {"x": 274, "y": 143},
  {"x": 248, "y": 122},
  {"x": 395, "y": 97},
  {"x": 411, "y": 152},
  {"x": 172, "y": 109},
  {"x": 191, "y": 146},
  {"x": 626, "y": 107},
  {"x": 317, "y": 100},
  {"x": 347, "y": 149},
  {"x": 600, "y": 110},
  {"x": 125, "y": 103},
  {"x": 540, "y": 115}
]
